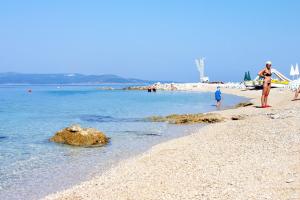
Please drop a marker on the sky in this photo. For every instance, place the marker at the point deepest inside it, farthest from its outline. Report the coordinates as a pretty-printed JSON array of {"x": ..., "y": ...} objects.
[{"x": 150, "y": 39}]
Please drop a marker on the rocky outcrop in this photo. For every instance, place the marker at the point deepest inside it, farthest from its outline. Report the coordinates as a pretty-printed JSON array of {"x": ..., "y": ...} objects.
[
  {"x": 77, "y": 136},
  {"x": 189, "y": 118},
  {"x": 136, "y": 88}
]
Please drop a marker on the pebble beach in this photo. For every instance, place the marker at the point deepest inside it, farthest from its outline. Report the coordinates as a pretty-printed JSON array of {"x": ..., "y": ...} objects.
[{"x": 254, "y": 157}]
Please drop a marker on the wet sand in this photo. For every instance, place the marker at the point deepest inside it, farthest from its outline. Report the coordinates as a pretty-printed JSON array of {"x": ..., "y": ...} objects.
[{"x": 257, "y": 157}]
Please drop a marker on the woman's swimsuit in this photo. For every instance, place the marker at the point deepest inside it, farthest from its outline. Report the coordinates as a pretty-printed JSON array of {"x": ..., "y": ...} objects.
[{"x": 268, "y": 74}]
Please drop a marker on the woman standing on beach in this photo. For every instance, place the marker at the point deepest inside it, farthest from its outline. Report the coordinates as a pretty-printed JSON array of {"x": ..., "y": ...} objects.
[{"x": 266, "y": 74}]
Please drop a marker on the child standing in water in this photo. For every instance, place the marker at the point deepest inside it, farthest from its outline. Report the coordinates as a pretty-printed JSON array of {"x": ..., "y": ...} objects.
[{"x": 218, "y": 97}]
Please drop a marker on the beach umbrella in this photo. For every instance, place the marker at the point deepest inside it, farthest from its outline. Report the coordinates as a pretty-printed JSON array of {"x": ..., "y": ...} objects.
[
  {"x": 296, "y": 71},
  {"x": 245, "y": 76},
  {"x": 292, "y": 71},
  {"x": 248, "y": 76}
]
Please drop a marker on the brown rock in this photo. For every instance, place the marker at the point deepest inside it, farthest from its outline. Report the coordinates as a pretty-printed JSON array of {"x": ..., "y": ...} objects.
[
  {"x": 188, "y": 118},
  {"x": 77, "y": 136}
]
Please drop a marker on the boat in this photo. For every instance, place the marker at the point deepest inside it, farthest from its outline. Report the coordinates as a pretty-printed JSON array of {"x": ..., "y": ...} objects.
[{"x": 278, "y": 80}]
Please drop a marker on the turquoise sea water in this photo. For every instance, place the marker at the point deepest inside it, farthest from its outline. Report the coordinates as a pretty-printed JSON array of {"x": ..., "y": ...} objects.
[{"x": 32, "y": 167}]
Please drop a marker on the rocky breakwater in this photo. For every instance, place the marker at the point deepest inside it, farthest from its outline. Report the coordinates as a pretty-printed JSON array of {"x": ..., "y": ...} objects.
[
  {"x": 188, "y": 118},
  {"x": 137, "y": 88},
  {"x": 77, "y": 136},
  {"x": 157, "y": 86}
]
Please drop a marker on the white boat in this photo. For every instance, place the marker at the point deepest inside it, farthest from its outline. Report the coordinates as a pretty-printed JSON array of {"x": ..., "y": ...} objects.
[{"x": 278, "y": 80}]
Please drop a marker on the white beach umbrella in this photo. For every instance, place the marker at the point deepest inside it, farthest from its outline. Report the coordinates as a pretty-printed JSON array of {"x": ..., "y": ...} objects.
[
  {"x": 292, "y": 71},
  {"x": 296, "y": 70}
]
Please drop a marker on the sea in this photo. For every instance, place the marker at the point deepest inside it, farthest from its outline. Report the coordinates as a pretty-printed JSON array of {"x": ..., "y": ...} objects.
[{"x": 31, "y": 166}]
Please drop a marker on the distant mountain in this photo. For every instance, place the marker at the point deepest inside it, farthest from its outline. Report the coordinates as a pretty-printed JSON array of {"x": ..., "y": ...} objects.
[{"x": 19, "y": 78}]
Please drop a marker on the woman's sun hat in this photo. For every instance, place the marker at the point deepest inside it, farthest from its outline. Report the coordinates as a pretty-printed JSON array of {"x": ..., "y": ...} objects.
[{"x": 268, "y": 63}]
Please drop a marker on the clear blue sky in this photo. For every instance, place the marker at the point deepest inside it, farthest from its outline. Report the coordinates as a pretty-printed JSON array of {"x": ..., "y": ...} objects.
[{"x": 152, "y": 39}]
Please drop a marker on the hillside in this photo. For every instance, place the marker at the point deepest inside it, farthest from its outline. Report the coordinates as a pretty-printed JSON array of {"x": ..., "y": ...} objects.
[{"x": 20, "y": 78}]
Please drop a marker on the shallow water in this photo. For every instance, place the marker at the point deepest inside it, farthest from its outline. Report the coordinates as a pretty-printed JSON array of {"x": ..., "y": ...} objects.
[{"x": 32, "y": 167}]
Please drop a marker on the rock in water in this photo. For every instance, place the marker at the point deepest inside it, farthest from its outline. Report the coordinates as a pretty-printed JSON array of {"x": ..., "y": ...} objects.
[
  {"x": 77, "y": 136},
  {"x": 188, "y": 118}
]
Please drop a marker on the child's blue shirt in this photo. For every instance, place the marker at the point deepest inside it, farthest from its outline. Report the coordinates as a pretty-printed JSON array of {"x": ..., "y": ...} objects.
[{"x": 218, "y": 95}]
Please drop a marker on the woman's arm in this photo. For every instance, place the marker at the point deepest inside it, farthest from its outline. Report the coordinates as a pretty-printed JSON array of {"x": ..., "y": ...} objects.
[{"x": 261, "y": 73}]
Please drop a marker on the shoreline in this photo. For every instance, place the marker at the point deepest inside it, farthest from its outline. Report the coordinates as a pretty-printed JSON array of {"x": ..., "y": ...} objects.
[
  {"x": 91, "y": 165},
  {"x": 210, "y": 163}
]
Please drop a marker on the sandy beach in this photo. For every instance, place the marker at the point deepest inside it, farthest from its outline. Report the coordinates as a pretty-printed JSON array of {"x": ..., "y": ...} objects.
[{"x": 257, "y": 157}]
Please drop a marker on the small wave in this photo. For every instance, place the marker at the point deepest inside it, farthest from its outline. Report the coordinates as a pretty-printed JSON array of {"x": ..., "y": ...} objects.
[
  {"x": 2, "y": 137},
  {"x": 141, "y": 133},
  {"x": 96, "y": 118},
  {"x": 71, "y": 92},
  {"x": 149, "y": 134},
  {"x": 101, "y": 118}
]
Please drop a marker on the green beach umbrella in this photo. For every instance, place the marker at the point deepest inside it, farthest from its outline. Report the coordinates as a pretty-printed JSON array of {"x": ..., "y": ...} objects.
[
  {"x": 248, "y": 76},
  {"x": 245, "y": 77}
]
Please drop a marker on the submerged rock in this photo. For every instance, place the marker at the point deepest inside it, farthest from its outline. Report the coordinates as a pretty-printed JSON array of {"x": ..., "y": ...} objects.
[
  {"x": 77, "y": 136},
  {"x": 243, "y": 104},
  {"x": 188, "y": 118}
]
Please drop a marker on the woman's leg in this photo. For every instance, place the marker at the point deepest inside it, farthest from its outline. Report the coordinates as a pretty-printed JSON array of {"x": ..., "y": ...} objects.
[
  {"x": 267, "y": 93},
  {"x": 263, "y": 95}
]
